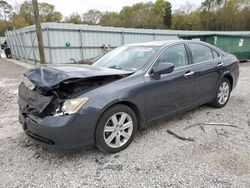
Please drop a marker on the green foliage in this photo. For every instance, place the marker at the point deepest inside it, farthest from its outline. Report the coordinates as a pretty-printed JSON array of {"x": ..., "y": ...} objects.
[
  {"x": 5, "y": 10},
  {"x": 225, "y": 15},
  {"x": 4, "y": 26},
  {"x": 74, "y": 18},
  {"x": 216, "y": 15},
  {"x": 164, "y": 10},
  {"x": 186, "y": 21},
  {"x": 141, "y": 15},
  {"x": 167, "y": 18},
  {"x": 24, "y": 16},
  {"x": 91, "y": 17},
  {"x": 110, "y": 19}
]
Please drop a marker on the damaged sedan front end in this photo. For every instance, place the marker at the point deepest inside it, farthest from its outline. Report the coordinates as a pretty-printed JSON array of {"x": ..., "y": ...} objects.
[
  {"x": 104, "y": 104},
  {"x": 50, "y": 100}
]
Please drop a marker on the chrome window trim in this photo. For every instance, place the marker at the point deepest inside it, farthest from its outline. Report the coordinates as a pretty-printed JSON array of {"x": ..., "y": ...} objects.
[
  {"x": 211, "y": 51},
  {"x": 203, "y": 62}
]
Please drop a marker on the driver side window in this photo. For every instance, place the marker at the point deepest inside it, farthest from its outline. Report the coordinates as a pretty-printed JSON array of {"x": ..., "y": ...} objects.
[{"x": 175, "y": 54}]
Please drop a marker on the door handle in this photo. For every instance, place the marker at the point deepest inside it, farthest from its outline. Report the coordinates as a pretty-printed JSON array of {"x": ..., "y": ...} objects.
[
  {"x": 220, "y": 64},
  {"x": 188, "y": 74}
]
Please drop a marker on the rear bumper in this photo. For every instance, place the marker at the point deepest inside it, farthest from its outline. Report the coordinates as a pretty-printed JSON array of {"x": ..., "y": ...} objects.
[{"x": 61, "y": 133}]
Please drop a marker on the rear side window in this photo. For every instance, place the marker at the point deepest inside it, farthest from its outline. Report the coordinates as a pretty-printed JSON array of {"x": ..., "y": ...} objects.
[{"x": 201, "y": 53}]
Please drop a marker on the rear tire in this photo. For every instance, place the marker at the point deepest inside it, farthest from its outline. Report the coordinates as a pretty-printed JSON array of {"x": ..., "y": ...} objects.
[
  {"x": 116, "y": 129},
  {"x": 222, "y": 94}
]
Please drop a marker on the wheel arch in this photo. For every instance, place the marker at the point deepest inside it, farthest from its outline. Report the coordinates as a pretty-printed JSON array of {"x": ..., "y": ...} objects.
[
  {"x": 129, "y": 104},
  {"x": 230, "y": 78}
]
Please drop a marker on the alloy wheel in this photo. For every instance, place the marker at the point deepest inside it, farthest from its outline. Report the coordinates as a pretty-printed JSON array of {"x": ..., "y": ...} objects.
[
  {"x": 118, "y": 130},
  {"x": 223, "y": 93}
]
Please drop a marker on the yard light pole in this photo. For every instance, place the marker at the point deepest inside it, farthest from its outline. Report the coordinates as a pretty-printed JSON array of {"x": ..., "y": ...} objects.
[{"x": 39, "y": 32}]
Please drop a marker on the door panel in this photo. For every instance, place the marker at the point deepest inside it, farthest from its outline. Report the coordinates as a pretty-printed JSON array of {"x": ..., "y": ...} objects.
[
  {"x": 207, "y": 73},
  {"x": 206, "y": 78},
  {"x": 172, "y": 93}
]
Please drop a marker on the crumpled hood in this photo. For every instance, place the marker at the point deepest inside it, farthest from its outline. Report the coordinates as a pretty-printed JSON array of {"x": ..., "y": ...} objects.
[{"x": 49, "y": 76}]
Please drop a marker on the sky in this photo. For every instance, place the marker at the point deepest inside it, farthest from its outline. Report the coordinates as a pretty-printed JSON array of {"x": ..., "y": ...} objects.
[{"x": 66, "y": 7}]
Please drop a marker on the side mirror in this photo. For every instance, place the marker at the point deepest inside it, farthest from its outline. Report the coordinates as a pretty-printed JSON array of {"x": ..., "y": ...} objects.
[{"x": 162, "y": 68}]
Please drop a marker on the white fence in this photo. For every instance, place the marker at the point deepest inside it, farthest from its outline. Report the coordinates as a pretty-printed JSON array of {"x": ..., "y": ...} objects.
[
  {"x": 2, "y": 39},
  {"x": 63, "y": 41}
]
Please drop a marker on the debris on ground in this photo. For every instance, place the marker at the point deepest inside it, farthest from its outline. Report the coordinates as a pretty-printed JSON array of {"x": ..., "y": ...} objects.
[
  {"x": 221, "y": 131},
  {"x": 201, "y": 125},
  {"x": 101, "y": 160},
  {"x": 180, "y": 137},
  {"x": 221, "y": 124},
  {"x": 117, "y": 167}
]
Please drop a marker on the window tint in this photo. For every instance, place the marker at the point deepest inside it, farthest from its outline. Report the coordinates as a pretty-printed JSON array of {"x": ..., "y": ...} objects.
[
  {"x": 176, "y": 54},
  {"x": 216, "y": 55},
  {"x": 200, "y": 53}
]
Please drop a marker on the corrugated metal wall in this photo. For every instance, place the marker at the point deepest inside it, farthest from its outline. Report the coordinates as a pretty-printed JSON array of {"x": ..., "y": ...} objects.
[
  {"x": 63, "y": 41},
  {"x": 2, "y": 39}
]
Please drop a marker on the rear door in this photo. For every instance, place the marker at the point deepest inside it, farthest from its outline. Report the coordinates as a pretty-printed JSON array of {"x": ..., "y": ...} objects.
[
  {"x": 207, "y": 66},
  {"x": 172, "y": 92}
]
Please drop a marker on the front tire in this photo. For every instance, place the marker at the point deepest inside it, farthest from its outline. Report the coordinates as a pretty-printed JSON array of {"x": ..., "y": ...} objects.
[
  {"x": 116, "y": 129},
  {"x": 222, "y": 94}
]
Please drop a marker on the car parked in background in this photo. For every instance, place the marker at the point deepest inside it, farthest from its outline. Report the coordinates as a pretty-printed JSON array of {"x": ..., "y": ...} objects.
[{"x": 67, "y": 107}]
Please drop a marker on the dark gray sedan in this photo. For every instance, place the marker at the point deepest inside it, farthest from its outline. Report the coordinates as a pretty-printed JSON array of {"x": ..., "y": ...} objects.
[{"x": 67, "y": 107}]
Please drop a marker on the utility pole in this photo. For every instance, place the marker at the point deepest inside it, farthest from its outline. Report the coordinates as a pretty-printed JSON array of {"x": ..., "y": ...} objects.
[{"x": 39, "y": 32}]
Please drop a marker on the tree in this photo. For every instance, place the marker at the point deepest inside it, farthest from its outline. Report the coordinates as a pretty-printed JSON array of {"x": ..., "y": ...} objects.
[
  {"x": 110, "y": 18},
  {"x": 225, "y": 15},
  {"x": 167, "y": 18},
  {"x": 74, "y": 18},
  {"x": 24, "y": 16},
  {"x": 188, "y": 7},
  {"x": 5, "y": 10},
  {"x": 48, "y": 13},
  {"x": 92, "y": 17},
  {"x": 164, "y": 10},
  {"x": 4, "y": 25}
]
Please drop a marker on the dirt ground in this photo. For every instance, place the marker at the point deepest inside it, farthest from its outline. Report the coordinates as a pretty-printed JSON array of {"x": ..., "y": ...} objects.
[{"x": 219, "y": 156}]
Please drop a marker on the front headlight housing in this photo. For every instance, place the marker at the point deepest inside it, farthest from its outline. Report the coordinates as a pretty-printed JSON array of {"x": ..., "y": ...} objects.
[{"x": 71, "y": 106}]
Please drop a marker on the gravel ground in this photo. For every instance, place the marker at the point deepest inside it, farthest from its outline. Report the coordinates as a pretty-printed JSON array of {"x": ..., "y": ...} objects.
[{"x": 219, "y": 156}]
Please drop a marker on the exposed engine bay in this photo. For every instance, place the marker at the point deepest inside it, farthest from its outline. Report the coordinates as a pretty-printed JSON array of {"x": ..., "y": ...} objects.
[{"x": 38, "y": 98}]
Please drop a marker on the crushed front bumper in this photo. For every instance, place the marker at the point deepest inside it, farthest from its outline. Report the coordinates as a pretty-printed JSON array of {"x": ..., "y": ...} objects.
[{"x": 64, "y": 133}]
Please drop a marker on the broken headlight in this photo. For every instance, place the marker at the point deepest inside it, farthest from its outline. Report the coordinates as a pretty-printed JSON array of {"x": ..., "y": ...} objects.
[
  {"x": 71, "y": 106},
  {"x": 28, "y": 83}
]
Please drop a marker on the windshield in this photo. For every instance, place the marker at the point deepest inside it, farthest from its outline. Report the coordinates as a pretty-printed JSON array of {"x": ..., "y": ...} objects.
[{"x": 129, "y": 58}]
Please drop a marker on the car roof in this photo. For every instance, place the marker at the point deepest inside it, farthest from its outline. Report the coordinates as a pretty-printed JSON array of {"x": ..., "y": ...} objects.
[
  {"x": 170, "y": 42},
  {"x": 156, "y": 43}
]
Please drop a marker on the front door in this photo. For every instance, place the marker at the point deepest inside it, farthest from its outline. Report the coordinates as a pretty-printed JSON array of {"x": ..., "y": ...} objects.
[{"x": 172, "y": 92}]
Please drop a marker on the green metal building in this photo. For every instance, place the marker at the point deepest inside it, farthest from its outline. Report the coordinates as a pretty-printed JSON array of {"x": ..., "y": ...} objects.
[{"x": 238, "y": 45}]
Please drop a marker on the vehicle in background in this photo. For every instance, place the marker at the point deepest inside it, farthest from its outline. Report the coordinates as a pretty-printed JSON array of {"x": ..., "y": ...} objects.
[{"x": 6, "y": 49}]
